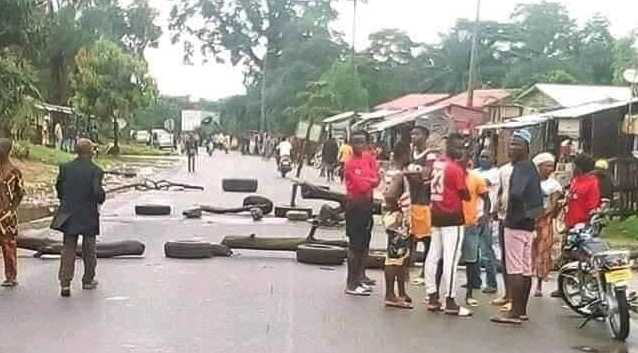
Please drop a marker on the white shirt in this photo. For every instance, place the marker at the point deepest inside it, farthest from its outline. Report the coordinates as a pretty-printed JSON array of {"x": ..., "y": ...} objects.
[
  {"x": 285, "y": 148},
  {"x": 549, "y": 187},
  {"x": 494, "y": 182}
]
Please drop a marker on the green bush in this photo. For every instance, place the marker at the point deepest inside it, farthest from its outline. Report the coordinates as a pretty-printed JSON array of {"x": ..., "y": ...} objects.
[{"x": 20, "y": 150}]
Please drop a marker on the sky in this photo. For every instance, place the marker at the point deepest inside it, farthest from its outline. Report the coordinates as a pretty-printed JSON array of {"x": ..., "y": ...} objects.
[{"x": 423, "y": 20}]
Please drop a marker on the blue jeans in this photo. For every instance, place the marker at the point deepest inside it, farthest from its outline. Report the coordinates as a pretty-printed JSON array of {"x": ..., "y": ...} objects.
[{"x": 488, "y": 259}]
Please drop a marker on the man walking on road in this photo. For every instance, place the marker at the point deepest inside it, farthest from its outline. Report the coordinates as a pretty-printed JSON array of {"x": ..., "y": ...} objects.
[
  {"x": 79, "y": 188},
  {"x": 329, "y": 156},
  {"x": 361, "y": 179},
  {"x": 525, "y": 205},
  {"x": 11, "y": 193},
  {"x": 448, "y": 191},
  {"x": 191, "y": 151}
]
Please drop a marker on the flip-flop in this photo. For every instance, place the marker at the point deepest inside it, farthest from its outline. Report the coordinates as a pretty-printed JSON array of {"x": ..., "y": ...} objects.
[
  {"x": 400, "y": 305},
  {"x": 472, "y": 302},
  {"x": 505, "y": 320},
  {"x": 406, "y": 299},
  {"x": 507, "y": 307},
  {"x": 434, "y": 308},
  {"x": 538, "y": 295},
  {"x": 524, "y": 318},
  {"x": 461, "y": 312},
  {"x": 500, "y": 301}
]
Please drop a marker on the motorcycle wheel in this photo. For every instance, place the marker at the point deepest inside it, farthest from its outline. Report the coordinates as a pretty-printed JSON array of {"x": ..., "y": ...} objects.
[
  {"x": 619, "y": 316},
  {"x": 569, "y": 284}
]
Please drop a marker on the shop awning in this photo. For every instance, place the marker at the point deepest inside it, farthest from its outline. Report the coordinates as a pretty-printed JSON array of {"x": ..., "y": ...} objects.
[{"x": 404, "y": 118}]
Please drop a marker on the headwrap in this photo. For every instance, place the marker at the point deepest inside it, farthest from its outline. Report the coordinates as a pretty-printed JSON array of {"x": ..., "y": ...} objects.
[
  {"x": 543, "y": 158},
  {"x": 602, "y": 164},
  {"x": 524, "y": 135}
]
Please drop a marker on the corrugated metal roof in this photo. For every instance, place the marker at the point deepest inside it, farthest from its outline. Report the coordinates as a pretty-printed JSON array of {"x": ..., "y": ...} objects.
[
  {"x": 413, "y": 101},
  {"x": 482, "y": 97},
  {"x": 527, "y": 120},
  {"x": 339, "y": 117},
  {"x": 379, "y": 114},
  {"x": 575, "y": 95},
  {"x": 587, "y": 109},
  {"x": 404, "y": 118},
  {"x": 54, "y": 108}
]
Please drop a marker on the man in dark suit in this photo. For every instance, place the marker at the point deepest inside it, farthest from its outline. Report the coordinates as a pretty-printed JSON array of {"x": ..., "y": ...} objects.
[{"x": 80, "y": 191}]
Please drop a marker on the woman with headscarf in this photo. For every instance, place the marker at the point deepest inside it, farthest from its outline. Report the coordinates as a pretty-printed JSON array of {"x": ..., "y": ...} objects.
[{"x": 542, "y": 245}]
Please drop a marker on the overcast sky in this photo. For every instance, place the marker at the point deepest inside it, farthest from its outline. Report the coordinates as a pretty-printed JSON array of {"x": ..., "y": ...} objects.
[{"x": 421, "y": 19}]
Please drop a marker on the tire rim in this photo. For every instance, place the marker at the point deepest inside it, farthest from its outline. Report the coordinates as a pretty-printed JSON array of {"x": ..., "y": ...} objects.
[
  {"x": 573, "y": 292},
  {"x": 612, "y": 311}
]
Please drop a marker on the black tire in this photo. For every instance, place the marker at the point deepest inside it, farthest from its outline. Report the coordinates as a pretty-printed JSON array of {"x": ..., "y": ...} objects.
[
  {"x": 240, "y": 185},
  {"x": 375, "y": 260},
  {"x": 280, "y": 211},
  {"x": 564, "y": 278},
  {"x": 297, "y": 215},
  {"x": 221, "y": 250},
  {"x": 619, "y": 323},
  {"x": 319, "y": 254},
  {"x": 188, "y": 250},
  {"x": 119, "y": 248},
  {"x": 152, "y": 210},
  {"x": 261, "y": 202}
]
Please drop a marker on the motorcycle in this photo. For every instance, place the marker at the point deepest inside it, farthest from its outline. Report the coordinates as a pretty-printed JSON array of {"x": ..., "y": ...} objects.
[
  {"x": 594, "y": 284},
  {"x": 285, "y": 165}
]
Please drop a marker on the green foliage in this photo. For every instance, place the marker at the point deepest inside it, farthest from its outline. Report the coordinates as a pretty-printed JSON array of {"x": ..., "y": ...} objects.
[
  {"x": 16, "y": 92},
  {"x": 135, "y": 149},
  {"x": 42, "y": 154},
  {"x": 346, "y": 88},
  {"x": 109, "y": 83},
  {"x": 20, "y": 150}
]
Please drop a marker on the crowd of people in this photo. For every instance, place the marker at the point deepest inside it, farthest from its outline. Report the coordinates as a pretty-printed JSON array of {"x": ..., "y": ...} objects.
[{"x": 453, "y": 202}]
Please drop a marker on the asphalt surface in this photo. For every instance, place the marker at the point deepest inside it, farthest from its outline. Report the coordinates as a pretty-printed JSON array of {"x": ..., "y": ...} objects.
[{"x": 252, "y": 302}]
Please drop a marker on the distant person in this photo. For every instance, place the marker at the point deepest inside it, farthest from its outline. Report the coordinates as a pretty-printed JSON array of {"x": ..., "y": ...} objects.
[
  {"x": 285, "y": 149},
  {"x": 59, "y": 136},
  {"x": 11, "y": 194},
  {"x": 488, "y": 171},
  {"x": 191, "y": 151},
  {"x": 605, "y": 183},
  {"x": 79, "y": 188},
  {"x": 345, "y": 154},
  {"x": 329, "y": 154}
]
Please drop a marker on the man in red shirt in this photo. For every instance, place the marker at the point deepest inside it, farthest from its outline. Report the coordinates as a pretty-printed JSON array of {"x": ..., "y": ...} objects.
[
  {"x": 361, "y": 177},
  {"x": 448, "y": 191},
  {"x": 584, "y": 193}
]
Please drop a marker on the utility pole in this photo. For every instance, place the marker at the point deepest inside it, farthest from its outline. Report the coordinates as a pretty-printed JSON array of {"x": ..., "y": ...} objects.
[{"x": 470, "y": 80}]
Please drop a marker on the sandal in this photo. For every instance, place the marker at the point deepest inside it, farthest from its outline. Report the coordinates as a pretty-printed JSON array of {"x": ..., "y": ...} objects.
[
  {"x": 359, "y": 292},
  {"x": 538, "y": 294},
  {"x": 406, "y": 299},
  {"x": 505, "y": 320},
  {"x": 507, "y": 307},
  {"x": 434, "y": 308},
  {"x": 500, "y": 301},
  {"x": 461, "y": 312},
  {"x": 399, "y": 304},
  {"x": 472, "y": 302},
  {"x": 524, "y": 318}
]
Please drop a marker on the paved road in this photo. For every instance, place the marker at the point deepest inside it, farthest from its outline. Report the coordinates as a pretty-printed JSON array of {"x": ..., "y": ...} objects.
[{"x": 254, "y": 302}]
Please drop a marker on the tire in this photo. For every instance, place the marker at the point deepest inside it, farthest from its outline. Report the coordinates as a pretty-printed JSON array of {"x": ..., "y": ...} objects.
[
  {"x": 563, "y": 280},
  {"x": 118, "y": 248},
  {"x": 375, "y": 260},
  {"x": 240, "y": 185},
  {"x": 297, "y": 215},
  {"x": 318, "y": 254},
  {"x": 261, "y": 202},
  {"x": 188, "y": 250},
  {"x": 281, "y": 211},
  {"x": 619, "y": 323},
  {"x": 152, "y": 210},
  {"x": 221, "y": 250}
]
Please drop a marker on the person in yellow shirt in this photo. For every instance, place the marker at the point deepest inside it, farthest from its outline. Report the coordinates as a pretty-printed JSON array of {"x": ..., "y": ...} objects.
[
  {"x": 345, "y": 154},
  {"x": 476, "y": 212}
]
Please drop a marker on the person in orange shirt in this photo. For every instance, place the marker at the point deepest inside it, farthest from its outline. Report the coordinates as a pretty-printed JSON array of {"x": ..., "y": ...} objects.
[
  {"x": 477, "y": 213},
  {"x": 345, "y": 154}
]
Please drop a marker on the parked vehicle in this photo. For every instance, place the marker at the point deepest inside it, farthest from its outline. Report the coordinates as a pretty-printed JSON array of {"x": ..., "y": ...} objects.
[
  {"x": 142, "y": 136},
  {"x": 162, "y": 139},
  {"x": 594, "y": 284},
  {"x": 285, "y": 165}
]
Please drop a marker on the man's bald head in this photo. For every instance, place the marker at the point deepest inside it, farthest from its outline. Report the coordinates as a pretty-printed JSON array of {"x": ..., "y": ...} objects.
[
  {"x": 84, "y": 147},
  {"x": 5, "y": 147}
]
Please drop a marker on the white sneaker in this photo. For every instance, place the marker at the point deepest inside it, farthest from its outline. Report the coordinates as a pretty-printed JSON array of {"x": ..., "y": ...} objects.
[{"x": 359, "y": 291}]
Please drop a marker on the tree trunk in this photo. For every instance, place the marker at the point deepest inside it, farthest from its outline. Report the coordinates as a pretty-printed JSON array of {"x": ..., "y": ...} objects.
[
  {"x": 116, "y": 133},
  {"x": 252, "y": 242}
]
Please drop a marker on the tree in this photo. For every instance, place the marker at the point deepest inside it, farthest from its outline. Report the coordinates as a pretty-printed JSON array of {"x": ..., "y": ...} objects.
[
  {"x": 109, "y": 83},
  {"x": 625, "y": 56},
  {"x": 318, "y": 104},
  {"x": 141, "y": 30},
  {"x": 596, "y": 50},
  {"x": 347, "y": 91}
]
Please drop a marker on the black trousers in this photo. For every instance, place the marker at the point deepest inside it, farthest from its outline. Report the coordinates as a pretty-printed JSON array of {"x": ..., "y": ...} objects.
[{"x": 191, "y": 163}]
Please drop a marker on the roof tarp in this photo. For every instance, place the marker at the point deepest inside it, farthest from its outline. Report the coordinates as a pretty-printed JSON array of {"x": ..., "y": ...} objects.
[
  {"x": 339, "y": 117},
  {"x": 404, "y": 118}
]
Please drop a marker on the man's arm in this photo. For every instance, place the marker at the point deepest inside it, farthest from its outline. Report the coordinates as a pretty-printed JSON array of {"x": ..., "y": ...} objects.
[
  {"x": 458, "y": 178},
  {"x": 17, "y": 191},
  {"x": 59, "y": 184},
  {"x": 98, "y": 189}
]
